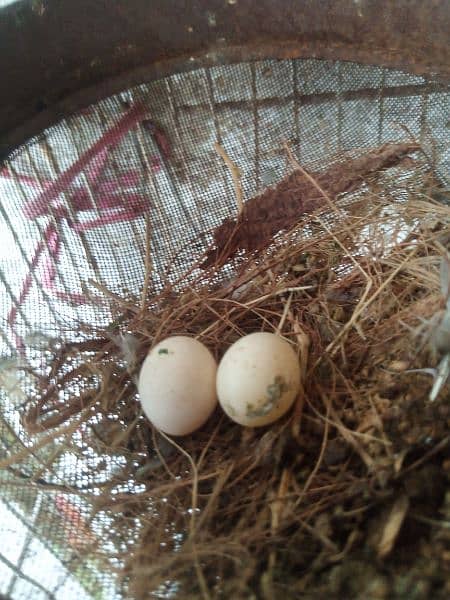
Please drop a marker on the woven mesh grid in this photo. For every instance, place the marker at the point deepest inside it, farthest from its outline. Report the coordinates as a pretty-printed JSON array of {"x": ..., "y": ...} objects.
[{"x": 169, "y": 171}]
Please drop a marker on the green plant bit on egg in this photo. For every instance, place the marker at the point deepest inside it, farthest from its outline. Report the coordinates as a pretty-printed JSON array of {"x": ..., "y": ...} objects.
[
  {"x": 274, "y": 393},
  {"x": 230, "y": 410},
  {"x": 276, "y": 389}
]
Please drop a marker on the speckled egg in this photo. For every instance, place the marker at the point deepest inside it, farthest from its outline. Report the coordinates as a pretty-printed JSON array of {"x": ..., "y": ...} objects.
[
  {"x": 258, "y": 379},
  {"x": 177, "y": 385}
]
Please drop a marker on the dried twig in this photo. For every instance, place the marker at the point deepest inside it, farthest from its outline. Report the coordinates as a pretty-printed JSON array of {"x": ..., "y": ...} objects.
[{"x": 235, "y": 174}]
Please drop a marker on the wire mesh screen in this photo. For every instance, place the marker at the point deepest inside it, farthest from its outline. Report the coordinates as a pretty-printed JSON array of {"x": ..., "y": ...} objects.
[{"x": 83, "y": 202}]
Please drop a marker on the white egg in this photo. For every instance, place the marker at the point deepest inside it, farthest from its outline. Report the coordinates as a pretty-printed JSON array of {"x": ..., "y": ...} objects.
[
  {"x": 177, "y": 385},
  {"x": 258, "y": 379}
]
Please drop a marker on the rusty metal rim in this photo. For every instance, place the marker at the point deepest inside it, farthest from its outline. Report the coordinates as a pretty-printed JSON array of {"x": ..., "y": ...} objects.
[
  {"x": 219, "y": 55},
  {"x": 59, "y": 56}
]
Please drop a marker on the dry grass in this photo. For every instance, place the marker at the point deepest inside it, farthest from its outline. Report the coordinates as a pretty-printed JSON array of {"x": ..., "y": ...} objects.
[{"x": 231, "y": 512}]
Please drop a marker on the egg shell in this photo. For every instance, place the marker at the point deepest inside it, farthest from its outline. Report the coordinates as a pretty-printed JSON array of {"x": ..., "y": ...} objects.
[
  {"x": 258, "y": 379},
  {"x": 177, "y": 385}
]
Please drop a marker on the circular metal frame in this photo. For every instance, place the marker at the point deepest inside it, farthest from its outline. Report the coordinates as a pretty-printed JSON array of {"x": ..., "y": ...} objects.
[{"x": 57, "y": 56}]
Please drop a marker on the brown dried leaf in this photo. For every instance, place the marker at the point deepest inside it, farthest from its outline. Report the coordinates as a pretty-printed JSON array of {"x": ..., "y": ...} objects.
[{"x": 280, "y": 207}]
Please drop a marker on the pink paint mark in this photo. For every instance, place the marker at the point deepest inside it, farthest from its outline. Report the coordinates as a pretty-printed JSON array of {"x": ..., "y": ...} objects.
[
  {"x": 160, "y": 137},
  {"x": 155, "y": 163},
  {"x": 70, "y": 511},
  {"x": 110, "y": 196},
  {"x": 116, "y": 217},
  {"x": 98, "y": 151},
  {"x": 5, "y": 173},
  {"x": 27, "y": 282}
]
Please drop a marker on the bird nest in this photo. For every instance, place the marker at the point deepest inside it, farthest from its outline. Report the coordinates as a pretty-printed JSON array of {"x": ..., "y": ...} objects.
[{"x": 348, "y": 265}]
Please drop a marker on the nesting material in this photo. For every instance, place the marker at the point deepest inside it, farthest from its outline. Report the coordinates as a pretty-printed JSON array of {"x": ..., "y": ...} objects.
[
  {"x": 299, "y": 194},
  {"x": 235, "y": 512}
]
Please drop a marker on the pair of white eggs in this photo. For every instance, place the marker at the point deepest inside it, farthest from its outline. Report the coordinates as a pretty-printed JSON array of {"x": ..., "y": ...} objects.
[{"x": 256, "y": 382}]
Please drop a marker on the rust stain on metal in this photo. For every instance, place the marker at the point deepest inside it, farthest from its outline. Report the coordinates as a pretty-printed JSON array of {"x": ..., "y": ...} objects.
[{"x": 44, "y": 85}]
